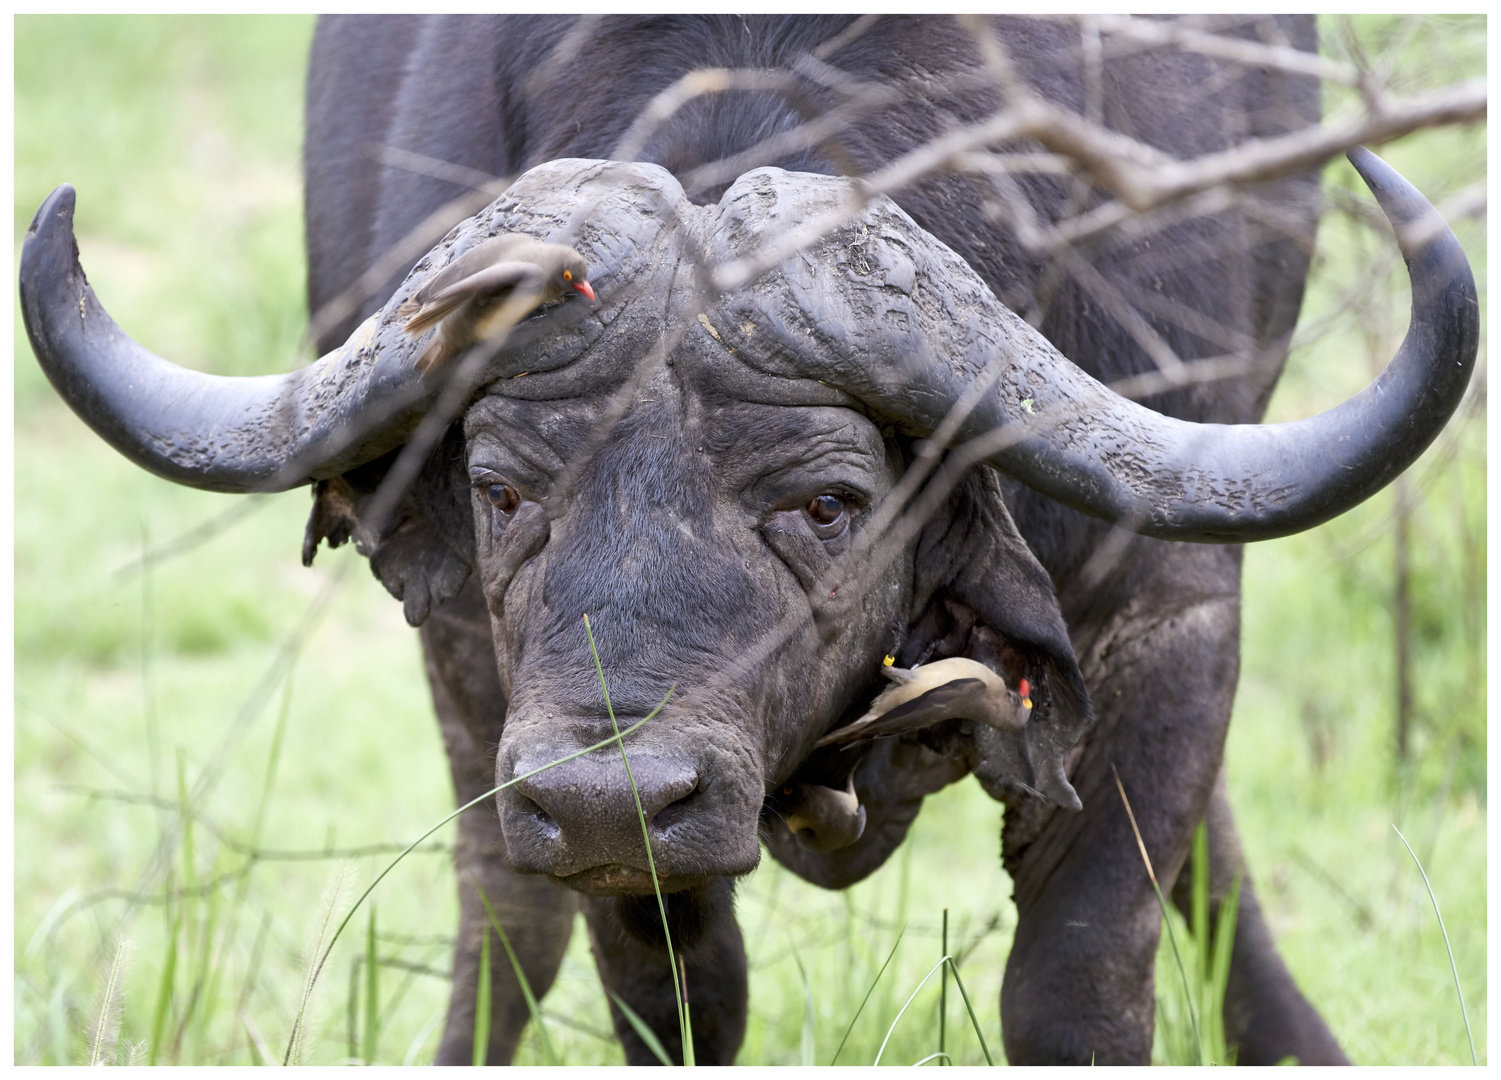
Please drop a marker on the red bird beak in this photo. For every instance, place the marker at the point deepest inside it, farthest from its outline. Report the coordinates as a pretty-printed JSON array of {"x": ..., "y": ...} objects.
[{"x": 585, "y": 288}]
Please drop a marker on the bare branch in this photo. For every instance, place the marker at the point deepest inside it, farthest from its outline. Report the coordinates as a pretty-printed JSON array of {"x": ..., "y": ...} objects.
[
  {"x": 845, "y": 36},
  {"x": 562, "y": 55},
  {"x": 1141, "y": 176},
  {"x": 423, "y": 165},
  {"x": 701, "y": 82},
  {"x": 861, "y": 99},
  {"x": 1153, "y": 32},
  {"x": 899, "y": 174},
  {"x": 411, "y": 247},
  {"x": 1265, "y": 159}
]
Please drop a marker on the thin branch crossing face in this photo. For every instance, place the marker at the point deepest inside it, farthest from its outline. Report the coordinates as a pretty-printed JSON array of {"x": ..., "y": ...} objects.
[{"x": 889, "y": 388}]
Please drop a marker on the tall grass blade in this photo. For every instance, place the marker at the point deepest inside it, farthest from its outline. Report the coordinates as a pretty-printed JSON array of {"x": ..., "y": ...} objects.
[
  {"x": 273, "y": 757},
  {"x": 1199, "y": 900},
  {"x": 164, "y": 992},
  {"x": 148, "y": 682},
  {"x": 1443, "y": 930},
  {"x": 973, "y": 1019},
  {"x": 943, "y": 993},
  {"x": 189, "y": 890},
  {"x": 611, "y": 741},
  {"x": 651, "y": 862},
  {"x": 933, "y": 1057},
  {"x": 371, "y": 1032},
  {"x": 1141, "y": 846},
  {"x": 188, "y": 1012},
  {"x": 60, "y": 907},
  {"x": 352, "y": 1011},
  {"x": 641, "y": 1028},
  {"x": 889, "y": 1031},
  {"x": 689, "y": 1056},
  {"x": 256, "y": 952},
  {"x": 526, "y": 987},
  {"x": 866, "y": 998},
  {"x": 209, "y": 972},
  {"x": 106, "y": 1027},
  {"x": 1219, "y": 970},
  {"x": 57, "y": 1020},
  {"x": 808, "y": 1045},
  {"x": 482, "y": 1001},
  {"x": 600, "y": 1035},
  {"x": 258, "y": 1043},
  {"x": 1212, "y": 1048},
  {"x": 421, "y": 1039},
  {"x": 337, "y": 884},
  {"x": 189, "y": 879},
  {"x": 391, "y": 1004}
]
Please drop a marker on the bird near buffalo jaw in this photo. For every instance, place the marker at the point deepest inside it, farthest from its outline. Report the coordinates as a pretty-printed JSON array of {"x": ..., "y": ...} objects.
[
  {"x": 489, "y": 289},
  {"x": 823, "y": 819},
  {"x": 955, "y": 688}
]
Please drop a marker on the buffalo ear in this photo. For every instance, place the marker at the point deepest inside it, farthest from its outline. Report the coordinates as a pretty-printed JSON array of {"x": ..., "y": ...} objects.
[
  {"x": 981, "y": 593},
  {"x": 425, "y": 553}
]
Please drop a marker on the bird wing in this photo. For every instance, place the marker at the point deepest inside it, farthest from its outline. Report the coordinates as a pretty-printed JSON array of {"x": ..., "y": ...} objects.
[
  {"x": 507, "y": 247},
  {"x": 922, "y": 711},
  {"x": 488, "y": 282}
]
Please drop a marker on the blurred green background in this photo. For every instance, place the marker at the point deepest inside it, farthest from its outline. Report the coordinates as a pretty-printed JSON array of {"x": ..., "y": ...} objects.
[{"x": 140, "y": 690}]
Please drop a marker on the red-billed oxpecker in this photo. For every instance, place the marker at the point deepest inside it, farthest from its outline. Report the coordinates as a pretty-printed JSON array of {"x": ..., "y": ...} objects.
[
  {"x": 943, "y": 690},
  {"x": 489, "y": 289}
]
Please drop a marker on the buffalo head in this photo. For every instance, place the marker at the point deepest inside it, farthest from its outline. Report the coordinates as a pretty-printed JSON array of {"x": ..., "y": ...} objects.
[{"x": 756, "y": 475}]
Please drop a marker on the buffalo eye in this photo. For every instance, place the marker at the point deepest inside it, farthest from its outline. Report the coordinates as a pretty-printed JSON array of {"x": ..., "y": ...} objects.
[
  {"x": 826, "y": 509},
  {"x": 503, "y": 497}
]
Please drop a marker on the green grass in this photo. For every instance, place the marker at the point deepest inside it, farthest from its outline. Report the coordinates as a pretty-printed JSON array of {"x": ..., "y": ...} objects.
[
  {"x": 137, "y": 694},
  {"x": 1190, "y": 1025}
]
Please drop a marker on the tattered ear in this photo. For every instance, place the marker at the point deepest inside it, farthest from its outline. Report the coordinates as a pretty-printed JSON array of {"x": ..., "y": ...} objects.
[
  {"x": 981, "y": 593},
  {"x": 425, "y": 553}
]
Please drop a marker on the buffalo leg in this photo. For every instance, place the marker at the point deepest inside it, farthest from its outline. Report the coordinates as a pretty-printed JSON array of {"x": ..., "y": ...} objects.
[
  {"x": 536, "y": 914},
  {"x": 1266, "y": 1017},
  {"x": 626, "y": 935},
  {"x": 1161, "y": 670}
]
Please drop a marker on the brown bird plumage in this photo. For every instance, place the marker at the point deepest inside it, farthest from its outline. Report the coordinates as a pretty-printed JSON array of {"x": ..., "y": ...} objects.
[
  {"x": 823, "y": 819},
  {"x": 942, "y": 690},
  {"x": 489, "y": 289}
]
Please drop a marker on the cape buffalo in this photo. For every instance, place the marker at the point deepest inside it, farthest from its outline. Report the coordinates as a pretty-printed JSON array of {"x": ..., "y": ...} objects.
[{"x": 758, "y": 489}]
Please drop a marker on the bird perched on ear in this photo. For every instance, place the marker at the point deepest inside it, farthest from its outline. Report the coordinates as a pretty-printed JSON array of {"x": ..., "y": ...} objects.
[
  {"x": 943, "y": 690},
  {"x": 489, "y": 289}
]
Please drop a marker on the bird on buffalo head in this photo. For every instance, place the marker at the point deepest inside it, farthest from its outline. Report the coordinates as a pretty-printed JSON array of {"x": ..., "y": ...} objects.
[
  {"x": 943, "y": 690},
  {"x": 489, "y": 289}
]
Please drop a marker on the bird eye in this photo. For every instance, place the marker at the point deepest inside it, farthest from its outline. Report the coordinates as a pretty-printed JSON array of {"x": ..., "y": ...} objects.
[
  {"x": 567, "y": 275},
  {"x": 503, "y": 497},
  {"x": 826, "y": 509}
]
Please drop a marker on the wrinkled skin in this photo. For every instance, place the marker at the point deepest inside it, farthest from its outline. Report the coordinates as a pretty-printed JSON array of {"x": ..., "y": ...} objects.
[
  {"x": 660, "y": 537},
  {"x": 683, "y": 529}
]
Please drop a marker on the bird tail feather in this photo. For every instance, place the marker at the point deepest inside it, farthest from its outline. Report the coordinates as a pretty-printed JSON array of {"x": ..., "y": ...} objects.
[
  {"x": 432, "y": 357},
  {"x": 431, "y": 313}
]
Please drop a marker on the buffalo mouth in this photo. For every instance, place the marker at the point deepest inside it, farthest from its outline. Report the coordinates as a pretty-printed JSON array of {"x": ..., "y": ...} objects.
[
  {"x": 687, "y": 807},
  {"x": 615, "y": 879}
]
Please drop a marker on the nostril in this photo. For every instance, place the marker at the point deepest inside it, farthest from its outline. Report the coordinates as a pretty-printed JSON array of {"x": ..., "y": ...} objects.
[
  {"x": 524, "y": 807},
  {"x": 528, "y": 806},
  {"x": 677, "y": 811}
]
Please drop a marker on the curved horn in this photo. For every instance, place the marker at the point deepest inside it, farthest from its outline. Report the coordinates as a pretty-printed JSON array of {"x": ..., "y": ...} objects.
[
  {"x": 908, "y": 328},
  {"x": 263, "y": 433}
]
